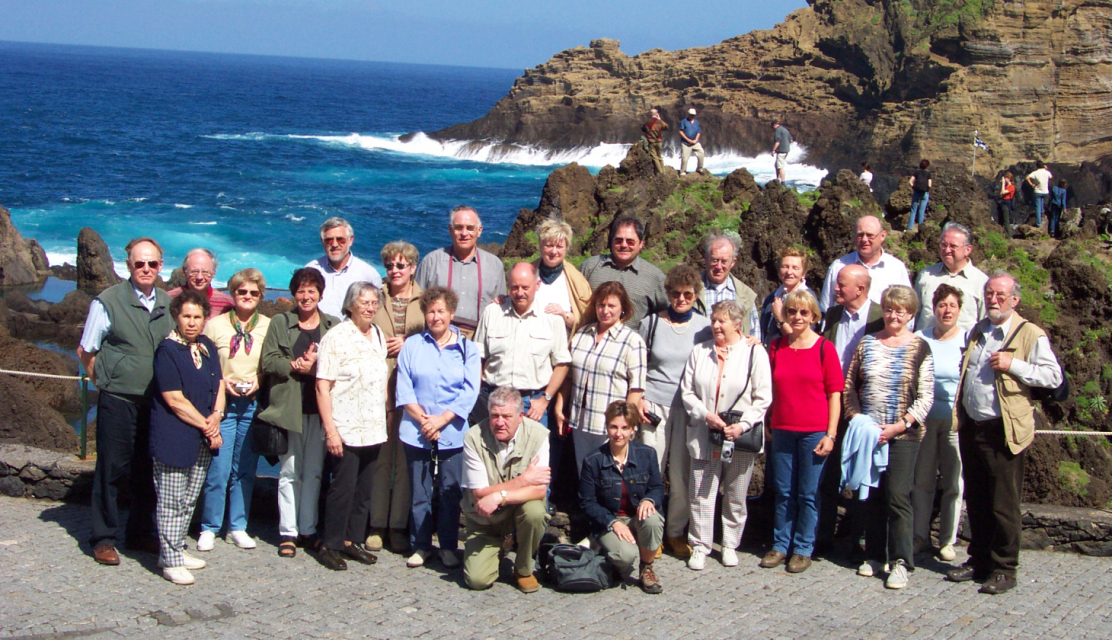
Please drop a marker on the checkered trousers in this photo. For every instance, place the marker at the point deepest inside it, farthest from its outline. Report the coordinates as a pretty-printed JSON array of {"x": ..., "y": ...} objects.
[
  {"x": 703, "y": 491},
  {"x": 177, "y": 491},
  {"x": 602, "y": 373}
]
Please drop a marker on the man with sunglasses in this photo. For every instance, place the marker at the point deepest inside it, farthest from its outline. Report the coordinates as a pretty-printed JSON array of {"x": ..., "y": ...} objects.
[
  {"x": 643, "y": 281},
  {"x": 125, "y": 325},
  {"x": 339, "y": 266},
  {"x": 884, "y": 268},
  {"x": 199, "y": 268}
]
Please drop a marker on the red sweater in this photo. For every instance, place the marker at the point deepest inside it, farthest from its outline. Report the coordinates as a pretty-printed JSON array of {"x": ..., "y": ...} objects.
[{"x": 801, "y": 383}]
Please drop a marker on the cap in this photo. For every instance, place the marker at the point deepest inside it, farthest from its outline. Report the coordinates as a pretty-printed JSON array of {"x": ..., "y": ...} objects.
[{"x": 691, "y": 111}]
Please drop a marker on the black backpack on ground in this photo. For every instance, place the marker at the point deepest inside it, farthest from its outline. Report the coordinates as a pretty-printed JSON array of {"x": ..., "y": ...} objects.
[{"x": 574, "y": 569}]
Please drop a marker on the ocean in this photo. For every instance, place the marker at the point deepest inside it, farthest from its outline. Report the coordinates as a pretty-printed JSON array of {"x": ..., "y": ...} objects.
[{"x": 247, "y": 155}]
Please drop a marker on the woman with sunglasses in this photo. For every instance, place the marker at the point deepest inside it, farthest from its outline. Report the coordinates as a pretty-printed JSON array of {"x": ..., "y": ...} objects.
[{"x": 238, "y": 335}]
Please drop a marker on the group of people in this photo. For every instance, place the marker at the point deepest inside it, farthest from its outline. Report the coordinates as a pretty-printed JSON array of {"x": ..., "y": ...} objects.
[{"x": 455, "y": 388}]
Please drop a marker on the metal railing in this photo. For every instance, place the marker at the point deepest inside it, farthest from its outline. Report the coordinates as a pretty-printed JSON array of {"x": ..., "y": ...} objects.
[{"x": 83, "y": 435}]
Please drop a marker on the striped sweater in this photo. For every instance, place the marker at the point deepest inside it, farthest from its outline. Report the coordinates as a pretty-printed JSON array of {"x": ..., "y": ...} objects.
[{"x": 888, "y": 382}]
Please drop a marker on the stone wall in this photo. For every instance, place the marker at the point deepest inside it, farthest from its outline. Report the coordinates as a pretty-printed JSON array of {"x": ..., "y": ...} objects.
[{"x": 37, "y": 473}]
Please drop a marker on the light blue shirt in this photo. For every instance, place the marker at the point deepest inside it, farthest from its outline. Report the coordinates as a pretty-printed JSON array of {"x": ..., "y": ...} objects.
[
  {"x": 437, "y": 380},
  {"x": 690, "y": 128},
  {"x": 98, "y": 324},
  {"x": 851, "y": 328},
  {"x": 336, "y": 283},
  {"x": 947, "y": 371},
  {"x": 863, "y": 459}
]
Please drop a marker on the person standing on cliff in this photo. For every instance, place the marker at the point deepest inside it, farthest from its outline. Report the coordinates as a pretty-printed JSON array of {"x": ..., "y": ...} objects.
[
  {"x": 654, "y": 133},
  {"x": 884, "y": 268},
  {"x": 339, "y": 266},
  {"x": 126, "y": 323},
  {"x": 1039, "y": 179},
  {"x": 781, "y": 147},
  {"x": 643, "y": 281},
  {"x": 691, "y": 133},
  {"x": 199, "y": 268}
]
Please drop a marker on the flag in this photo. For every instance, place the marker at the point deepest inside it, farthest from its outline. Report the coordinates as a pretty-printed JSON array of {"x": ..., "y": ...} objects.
[{"x": 977, "y": 142}]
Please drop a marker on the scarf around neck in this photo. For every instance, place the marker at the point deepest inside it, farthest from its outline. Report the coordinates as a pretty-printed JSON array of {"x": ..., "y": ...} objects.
[
  {"x": 196, "y": 349},
  {"x": 243, "y": 333},
  {"x": 549, "y": 274},
  {"x": 680, "y": 317}
]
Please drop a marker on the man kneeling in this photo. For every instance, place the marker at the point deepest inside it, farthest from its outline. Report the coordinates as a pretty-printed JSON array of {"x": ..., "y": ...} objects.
[{"x": 506, "y": 475}]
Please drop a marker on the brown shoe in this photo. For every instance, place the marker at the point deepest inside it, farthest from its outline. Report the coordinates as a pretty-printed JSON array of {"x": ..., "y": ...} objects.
[
  {"x": 679, "y": 547},
  {"x": 798, "y": 564},
  {"x": 527, "y": 584},
  {"x": 649, "y": 581},
  {"x": 773, "y": 559},
  {"x": 106, "y": 554},
  {"x": 399, "y": 540}
]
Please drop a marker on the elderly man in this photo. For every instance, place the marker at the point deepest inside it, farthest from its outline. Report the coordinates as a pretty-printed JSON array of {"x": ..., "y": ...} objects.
[
  {"x": 126, "y": 323},
  {"x": 505, "y": 478},
  {"x": 956, "y": 270},
  {"x": 995, "y": 417},
  {"x": 721, "y": 249},
  {"x": 339, "y": 266},
  {"x": 199, "y": 268},
  {"x": 691, "y": 135},
  {"x": 885, "y": 269},
  {"x": 654, "y": 135},
  {"x": 643, "y": 281},
  {"x": 476, "y": 276}
]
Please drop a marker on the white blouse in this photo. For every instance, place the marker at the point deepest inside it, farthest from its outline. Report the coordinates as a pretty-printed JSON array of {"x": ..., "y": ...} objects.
[{"x": 358, "y": 368}]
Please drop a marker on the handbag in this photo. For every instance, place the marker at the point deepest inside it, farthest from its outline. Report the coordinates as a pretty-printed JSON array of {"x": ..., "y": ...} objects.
[
  {"x": 269, "y": 441},
  {"x": 753, "y": 439}
]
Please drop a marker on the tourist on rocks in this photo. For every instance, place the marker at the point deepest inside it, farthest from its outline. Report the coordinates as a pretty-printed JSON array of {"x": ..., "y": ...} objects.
[
  {"x": 621, "y": 492},
  {"x": 438, "y": 383},
  {"x": 921, "y": 183},
  {"x": 199, "y": 268},
  {"x": 654, "y": 134},
  {"x": 1005, "y": 203},
  {"x": 884, "y": 268},
  {"x": 476, "y": 276},
  {"x": 955, "y": 269},
  {"x": 807, "y": 384},
  {"x": 867, "y": 175},
  {"x": 289, "y": 367},
  {"x": 607, "y": 364},
  {"x": 691, "y": 134},
  {"x": 238, "y": 336},
  {"x": 642, "y": 281},
  {"x": 1039, "y": 181},
  {"x": 399, "y": 316},
  {"x": 994, "y": 410},
  {"x": 781, "y": 146},
  {"x": 721, "y": 249},
  {"x": 505, "y": 479},
  {"x": 793, "y": 277},
  {"x": 126, "y": 323},
  {"x": 1059, "y": 199},
  {"x": 939, "y": 462},
  {"x": 339, "y": 266},
  {"x": 726, "y": 387},
  {"x": 351, "y": 396},
  {"x": 889, "y": 392},
  {"x": 669, "y": 336},
  {"x": 185, "y": 428},
  {"x": 563, "y": 290}
]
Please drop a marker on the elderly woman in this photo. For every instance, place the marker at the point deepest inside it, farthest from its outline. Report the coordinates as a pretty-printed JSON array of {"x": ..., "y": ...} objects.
[
  {"x": 351, "y": 397},
  {"x": 723, "y": 377},
  {"x": 438, "y": 384},
  {"x": 621, "y": 492},
  {"x": 399, "y": 316},
  {"x": 939, "y": 462},
  {"x": 563, "y": 291},
  {"x": 607, "y": 364},
  {"x": 289, "y": 366},
  {"x": 807, "y": 387},
  {"x": 185, "y": 425},
  {"x": 238, "y": 336},
  {"x": 792, "y": 273},
  {"x": 890, "y": 381}
]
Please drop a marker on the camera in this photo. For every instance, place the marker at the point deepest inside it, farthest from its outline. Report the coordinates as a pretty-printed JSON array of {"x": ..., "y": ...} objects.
[
  {"x": 652, "y": 418},
  {"x": 727, "y": 451},
  {"x": 242, "y": 387}
]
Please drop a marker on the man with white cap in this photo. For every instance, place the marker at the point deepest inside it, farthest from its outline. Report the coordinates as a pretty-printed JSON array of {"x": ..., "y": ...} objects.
[{"x": 690, "y": 134}]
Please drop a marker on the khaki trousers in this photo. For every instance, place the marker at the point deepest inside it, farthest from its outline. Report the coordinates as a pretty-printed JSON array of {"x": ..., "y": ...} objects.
[{"x": 480, "y": 549}]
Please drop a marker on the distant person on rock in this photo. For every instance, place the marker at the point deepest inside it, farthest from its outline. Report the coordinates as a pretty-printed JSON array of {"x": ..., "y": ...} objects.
[
  {"x": 719, "y": 283},
  {"x": 691, "y": 134},
  {"x": 867, "y": 175},
  {"x": 1059, "y": 198},
  {"x": 781, "y": 147},
  {"x": 1005, "y": 204},
  {"x": 199, "y": 268},
  {"x": 921, "y": 184},
  {"x": 955, "y": 269},
  {"x": 339, "y": 266},
  {"x": 885, "y": 269},
  {"x": 643, "y": 281},
  {"x": 654, "y": 133},
  {"x": 1039, "y": 179}
]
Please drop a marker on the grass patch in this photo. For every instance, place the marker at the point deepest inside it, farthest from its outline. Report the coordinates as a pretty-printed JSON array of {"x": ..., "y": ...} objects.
[
  {"x": 995, "y": 245},
  {"x": 1073, "y": 478},
  {"x": 809, "y": 198}
]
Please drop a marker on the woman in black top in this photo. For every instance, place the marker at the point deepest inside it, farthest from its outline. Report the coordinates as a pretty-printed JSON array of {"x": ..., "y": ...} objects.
[{"x": 920, "y": 183}]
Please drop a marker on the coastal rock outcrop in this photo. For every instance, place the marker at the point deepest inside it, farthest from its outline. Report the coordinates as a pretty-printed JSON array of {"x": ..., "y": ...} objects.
[
  {"x": 95, "y": 270},
  {"x": 21, "y": 261}
]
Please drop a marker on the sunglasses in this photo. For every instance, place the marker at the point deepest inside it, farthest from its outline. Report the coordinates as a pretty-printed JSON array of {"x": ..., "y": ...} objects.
[
  {"x": 686, "y": 295},
  {"x": 339, "y": 241},
  {"x": 248, "y": 292},
  {"x": 153, "y": 264},
  {"x": 396, "y": 265},
  {"x": 632, "y": 242}
]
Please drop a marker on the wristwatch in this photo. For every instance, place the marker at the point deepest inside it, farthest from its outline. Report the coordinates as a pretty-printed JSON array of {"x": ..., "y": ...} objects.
[
  {"x": 504, "y": 493},
  {"x": 547, "y": 397}
]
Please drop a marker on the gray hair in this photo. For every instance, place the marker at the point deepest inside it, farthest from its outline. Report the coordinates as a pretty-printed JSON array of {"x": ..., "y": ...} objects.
[
  {"x": 334, "y": 222},
  {"x": 959, "y": 228},
  {"x": 731, "y": 310},
  {"x": 1017, "y": 289},
  {"x": 203, "y": 251},
  {"x": 716, "y": 235},
  {"x": 506, "y": 397},
  {"x": 463, "y": 207},
  {"x": 356, "y": 291}
]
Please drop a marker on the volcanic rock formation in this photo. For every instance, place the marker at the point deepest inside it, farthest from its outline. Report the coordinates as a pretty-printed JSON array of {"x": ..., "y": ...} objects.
[{"x": 22, "y": 261}]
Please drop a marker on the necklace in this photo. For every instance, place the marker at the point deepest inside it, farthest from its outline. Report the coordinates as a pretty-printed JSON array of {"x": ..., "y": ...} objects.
[
  {"x": 678, "y": 332},
  {"x": 447, "y": 339}
]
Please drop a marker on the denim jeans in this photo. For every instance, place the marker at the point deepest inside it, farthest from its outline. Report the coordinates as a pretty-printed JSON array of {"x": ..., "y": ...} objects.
[
  {"x": 796, "y": 474},
  {"x": 919, "y": 200},
  {"x": 1040, "y": 206},
  {"x": 1055, "y": 215},
  {"x": 231, "y": 476},
  {"x": 448, "y": 476}
]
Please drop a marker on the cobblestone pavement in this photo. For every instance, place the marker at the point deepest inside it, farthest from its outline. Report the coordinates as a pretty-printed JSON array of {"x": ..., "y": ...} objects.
[{"x": 51, "y": 587}]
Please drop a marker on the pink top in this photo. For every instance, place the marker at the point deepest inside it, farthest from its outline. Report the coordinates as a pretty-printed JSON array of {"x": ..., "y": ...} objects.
[{"x": 801, "y": 382}]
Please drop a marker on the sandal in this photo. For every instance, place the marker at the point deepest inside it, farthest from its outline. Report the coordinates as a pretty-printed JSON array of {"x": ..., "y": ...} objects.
[{"x": 287, "y": 548}]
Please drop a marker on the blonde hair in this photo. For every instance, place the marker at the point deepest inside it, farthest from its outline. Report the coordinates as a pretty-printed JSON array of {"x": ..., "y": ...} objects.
[
  {"x": 803, "y": 299},
  {"x": 902, "y": 296},
  {"x": 554, "y": 230},
  {"x": 250, "y": 274}
]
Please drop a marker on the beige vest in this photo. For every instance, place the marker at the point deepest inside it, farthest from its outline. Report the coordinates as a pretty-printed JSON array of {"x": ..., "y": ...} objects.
[{"x": 530, "y": 437}]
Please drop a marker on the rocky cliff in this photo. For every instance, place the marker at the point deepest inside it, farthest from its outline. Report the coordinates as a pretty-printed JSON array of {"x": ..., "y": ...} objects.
[{"x": 885, "y": 80}]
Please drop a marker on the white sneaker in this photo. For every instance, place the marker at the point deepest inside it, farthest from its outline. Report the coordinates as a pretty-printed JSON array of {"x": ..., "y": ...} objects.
[
  {"x": 241, "y": 539},
  {"x": 418, "y": 558},
  {"x": 697, "y": 561},
  {"x": 191, "y": 563},
  {"x": 947, "y": 553},
  {"x": 205, "y": 541},
  {"x": 729, "y": 558},
  {"x": 898, "y": 578},
  {"x": 178, "y": 575},
  {"x": 449, "y": 558},
  {"x": 866, "y": 569}
]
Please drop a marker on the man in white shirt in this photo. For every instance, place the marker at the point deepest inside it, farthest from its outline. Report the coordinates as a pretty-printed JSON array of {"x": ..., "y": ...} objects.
[
  {"x": 994, "y": 414},
  {"x": 885, "y": 269},
  {"x": 339, "y": 266},
  {"x": 1039, "y": 179},
  {"x": 956, "y": 270}
]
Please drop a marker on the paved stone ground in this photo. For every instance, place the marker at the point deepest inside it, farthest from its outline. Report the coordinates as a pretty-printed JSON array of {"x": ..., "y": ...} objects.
[{"x": 50, "y": 587}]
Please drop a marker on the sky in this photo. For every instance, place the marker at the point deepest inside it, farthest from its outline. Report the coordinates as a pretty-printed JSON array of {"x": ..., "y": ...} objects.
[{"x": 483, "y": 33}]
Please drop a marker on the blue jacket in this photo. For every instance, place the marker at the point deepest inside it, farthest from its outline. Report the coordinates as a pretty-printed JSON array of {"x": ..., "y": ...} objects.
[{"x": 600, "y": 484}]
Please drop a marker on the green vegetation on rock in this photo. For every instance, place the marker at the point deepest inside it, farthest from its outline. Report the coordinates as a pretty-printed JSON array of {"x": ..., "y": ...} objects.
[{"x": 1073, "y": 478}]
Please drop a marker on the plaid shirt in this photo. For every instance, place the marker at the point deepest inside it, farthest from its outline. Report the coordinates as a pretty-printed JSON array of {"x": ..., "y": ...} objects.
[{"x": 602, "y": 373}]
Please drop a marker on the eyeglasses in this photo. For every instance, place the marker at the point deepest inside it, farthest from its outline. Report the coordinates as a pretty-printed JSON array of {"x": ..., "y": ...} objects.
[
  {"x": 867, "y": 236},
  {"x": 396, "y": 265},
  {"x": 338, "y": 241},
  {"x": 896, "y": 313},
  {"x": 364, "y": 304},
  {"x": 951, "y": 247},
  {"x": 199, "y": 273},
  {"x": 798, "y": 312},
  {"x": 721, "y": 261},
  {"x": 254, "y": 293},
  {"x": 632, "y": 242},
  {"x": 686, "y": 295},
  {"x": 997, "y": 295},
  {"x": 153, "y": 264},
  {"x": 465, "y": 227}
]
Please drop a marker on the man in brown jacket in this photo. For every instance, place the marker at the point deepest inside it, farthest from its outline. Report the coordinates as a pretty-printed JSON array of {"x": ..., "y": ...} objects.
[{"x": 654, "y": 132}]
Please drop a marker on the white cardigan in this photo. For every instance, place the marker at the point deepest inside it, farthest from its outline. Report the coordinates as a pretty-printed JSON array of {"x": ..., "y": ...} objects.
[{"x": 698, "y": 386}]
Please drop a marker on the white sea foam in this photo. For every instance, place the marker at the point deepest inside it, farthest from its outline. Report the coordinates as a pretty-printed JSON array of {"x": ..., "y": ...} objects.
[
  {"x": 293, "y": 218},
  {"x": 206, "y": 224},
  {"x": 178, "y": 205}
]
